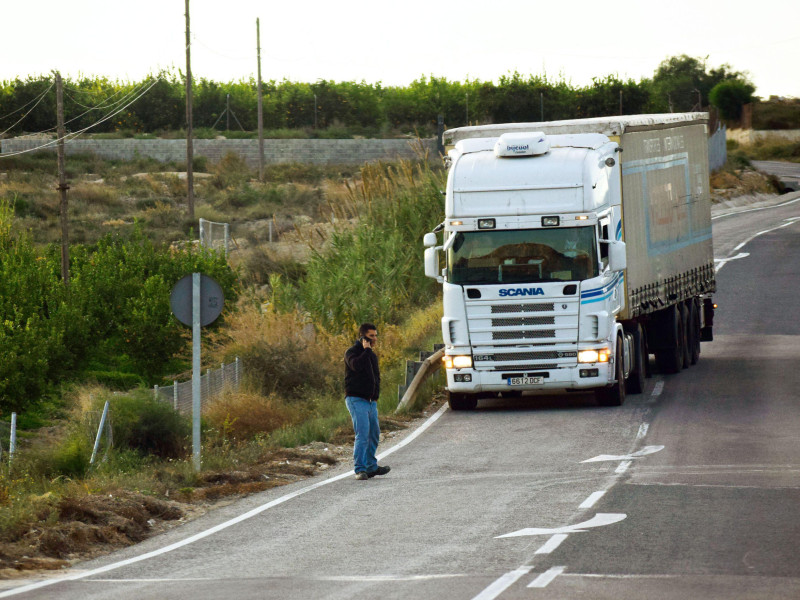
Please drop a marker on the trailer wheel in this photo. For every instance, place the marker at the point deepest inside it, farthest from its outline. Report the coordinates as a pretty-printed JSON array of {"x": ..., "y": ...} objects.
[
  {"x": 686, "y": 360},
  {"x": 614, "y": 395},
  {"x": 694, "y": 332},
  {"x": 635, "y": 382},
  {"x": 670, "y": 358},
  {"x": 462, "y": 401}
]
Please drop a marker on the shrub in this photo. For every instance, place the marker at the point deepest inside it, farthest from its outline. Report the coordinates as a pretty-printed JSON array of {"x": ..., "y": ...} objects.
[
  {"x": 142, "y": 423},
  {"x": 244, "y": 414}
]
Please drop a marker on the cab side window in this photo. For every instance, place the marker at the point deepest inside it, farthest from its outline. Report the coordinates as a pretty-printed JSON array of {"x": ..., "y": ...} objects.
[{"x": 602, "y": 234}]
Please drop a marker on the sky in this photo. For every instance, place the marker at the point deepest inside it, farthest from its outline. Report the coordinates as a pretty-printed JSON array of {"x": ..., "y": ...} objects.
[{"x": 395, "y": 43}]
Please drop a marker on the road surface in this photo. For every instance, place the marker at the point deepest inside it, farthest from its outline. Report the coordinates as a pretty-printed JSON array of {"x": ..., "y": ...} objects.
[{"x": 689, "y": 490}]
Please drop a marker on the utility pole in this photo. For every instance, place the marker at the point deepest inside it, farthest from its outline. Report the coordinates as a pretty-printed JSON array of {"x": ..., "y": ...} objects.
[
  {"x": 260, "y": 107},
  {"x": 189, "y": 133},
  {"x": 62, "y": 181}
]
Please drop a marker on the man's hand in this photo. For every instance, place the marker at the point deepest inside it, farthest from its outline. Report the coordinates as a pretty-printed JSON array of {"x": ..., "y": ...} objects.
[{"x": 366, "y": 343}]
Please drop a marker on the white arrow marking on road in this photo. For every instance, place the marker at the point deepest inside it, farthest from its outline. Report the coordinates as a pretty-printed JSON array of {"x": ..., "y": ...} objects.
[
  {"x": 643, "y": 452},
  {"x": 718, "y": 262},
  {"x": 598, "y": 520}
]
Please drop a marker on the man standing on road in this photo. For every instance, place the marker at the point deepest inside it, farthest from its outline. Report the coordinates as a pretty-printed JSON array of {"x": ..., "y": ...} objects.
[{"x": 362, "y": 385}]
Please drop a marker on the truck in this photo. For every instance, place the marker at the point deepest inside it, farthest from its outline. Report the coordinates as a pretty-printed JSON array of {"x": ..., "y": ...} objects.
[{"x": 571, "y": 251}]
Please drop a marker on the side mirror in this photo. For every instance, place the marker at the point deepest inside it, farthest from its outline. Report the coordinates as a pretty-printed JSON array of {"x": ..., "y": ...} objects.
[
  {"x": 429, "y": 240},
  {"x": 617, "y": 257},
  {"x": 432, "y": 262}
]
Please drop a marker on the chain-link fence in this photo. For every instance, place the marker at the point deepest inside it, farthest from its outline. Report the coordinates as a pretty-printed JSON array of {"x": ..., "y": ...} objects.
[
  {"x": 212, "y": 384},
  {"x": 215, "y": 235}
]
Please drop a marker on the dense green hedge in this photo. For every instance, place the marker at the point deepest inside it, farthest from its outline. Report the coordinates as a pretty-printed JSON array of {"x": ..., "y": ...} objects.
[
  {"x": 115, "y": 316},
  {"x": 361, "y": 108}
]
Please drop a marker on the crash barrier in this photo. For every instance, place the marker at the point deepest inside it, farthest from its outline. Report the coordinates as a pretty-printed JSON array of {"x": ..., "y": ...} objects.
[
  {"x": 212, "y": 384},
  {"x": 417, "y": 371}
]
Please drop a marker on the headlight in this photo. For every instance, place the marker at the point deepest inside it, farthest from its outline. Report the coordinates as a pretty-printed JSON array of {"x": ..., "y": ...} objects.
[
  {"x": 593, "y": 356},
  {"x": 457, "y": 362}
]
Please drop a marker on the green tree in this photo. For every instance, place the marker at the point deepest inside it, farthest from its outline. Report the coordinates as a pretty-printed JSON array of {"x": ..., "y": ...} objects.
[{"x": 730, "y": 96}]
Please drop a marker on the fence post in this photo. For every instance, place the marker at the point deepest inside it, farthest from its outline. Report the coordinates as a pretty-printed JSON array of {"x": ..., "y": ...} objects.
[
  {"x": 99, "y": 433},
  {"x": 12, "y": 446},
  {"x": 202, "y": 228},
  {"x": 227, "y": 238},
  {"x": 236, "y": 372},
  {"x": 208, "y": 386},
  {"x": 222, "y": 370},
  {"x": 155, "y": 392},
  {"x": 175, "y": 395}
]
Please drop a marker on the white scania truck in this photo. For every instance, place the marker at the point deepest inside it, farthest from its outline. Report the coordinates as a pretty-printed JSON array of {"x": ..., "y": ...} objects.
[{"x": 572, "y": 251}]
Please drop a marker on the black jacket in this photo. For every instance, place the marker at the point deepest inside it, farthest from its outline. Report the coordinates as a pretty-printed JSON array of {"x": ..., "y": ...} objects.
[{"x": 362, "y": 378}]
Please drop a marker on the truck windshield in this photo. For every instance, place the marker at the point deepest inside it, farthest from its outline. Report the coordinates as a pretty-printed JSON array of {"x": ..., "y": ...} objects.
[{"x": 522, "y": 256}]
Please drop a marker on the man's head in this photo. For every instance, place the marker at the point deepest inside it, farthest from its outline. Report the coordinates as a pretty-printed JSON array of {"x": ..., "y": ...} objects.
[{"x": 369, "y": 331}]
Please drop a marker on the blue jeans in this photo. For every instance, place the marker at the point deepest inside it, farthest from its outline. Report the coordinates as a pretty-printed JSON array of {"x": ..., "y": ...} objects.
[{"x": 368, "y": 432}]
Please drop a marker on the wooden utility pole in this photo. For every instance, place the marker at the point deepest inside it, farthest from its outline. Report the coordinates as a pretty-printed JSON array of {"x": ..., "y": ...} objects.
[
  {"x": 189, "y": 133},
  {"x": 62, "y": 181},
  {"x": 260, "y": 107}
]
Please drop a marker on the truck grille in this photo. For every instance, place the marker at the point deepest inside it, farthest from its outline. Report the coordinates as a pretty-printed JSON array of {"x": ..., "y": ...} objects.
[
  {"x": 522, "y": 321},
  {"x": 499, "y": 309},
  {"x": 513, "y": 356},
  {"x": 524, "y": 335}
]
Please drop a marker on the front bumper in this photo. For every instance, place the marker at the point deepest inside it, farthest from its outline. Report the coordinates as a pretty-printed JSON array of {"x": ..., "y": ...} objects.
[{"x": 553, "y": 379}]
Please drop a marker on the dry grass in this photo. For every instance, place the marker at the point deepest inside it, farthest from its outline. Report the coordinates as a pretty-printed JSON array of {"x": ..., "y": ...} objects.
[{"x": 244, "y": 414}]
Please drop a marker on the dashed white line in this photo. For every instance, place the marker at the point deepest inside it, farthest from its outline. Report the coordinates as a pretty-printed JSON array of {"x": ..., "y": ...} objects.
[
  {"x": 551, "y": 544},
  {"x": 592, "y": 499},
  {"x": 657, "y": 388},
  {"x": 545, "y": 578},
  {"x": 503, "y": 583},
  {"x": 642, "y": 430},
  {"x": 623, "y": 466}
]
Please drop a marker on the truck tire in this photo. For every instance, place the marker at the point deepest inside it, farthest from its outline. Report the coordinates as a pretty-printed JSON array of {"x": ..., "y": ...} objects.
[
  {"x": 635, "y": 382},
  {"x": 614, "y": 395},
  {"x": 687, "y": 358},
  {"x": 459, "y": 401},
  {"x": 694, "y": 332},
  {"x": 669, "y": 358}
]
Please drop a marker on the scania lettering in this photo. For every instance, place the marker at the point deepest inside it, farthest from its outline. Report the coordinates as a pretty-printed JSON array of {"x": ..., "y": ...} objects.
[{"x": 570, "y": 252}]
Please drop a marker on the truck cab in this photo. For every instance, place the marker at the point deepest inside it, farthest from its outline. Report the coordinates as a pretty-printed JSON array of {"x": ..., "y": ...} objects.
[{"x": 532, "y": 264}]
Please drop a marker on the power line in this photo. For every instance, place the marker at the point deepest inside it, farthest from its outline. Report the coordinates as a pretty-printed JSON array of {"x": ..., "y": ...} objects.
[
  {"x": 38, "y": 100},
  {"x": 73, "y": 135}
]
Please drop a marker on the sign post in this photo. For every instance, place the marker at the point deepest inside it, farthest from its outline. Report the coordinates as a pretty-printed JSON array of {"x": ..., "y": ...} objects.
[{"x": 196, "y": 301}]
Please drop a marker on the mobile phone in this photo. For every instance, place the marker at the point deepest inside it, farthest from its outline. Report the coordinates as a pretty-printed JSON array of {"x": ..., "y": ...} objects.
[{"x": 365, "y": 339}]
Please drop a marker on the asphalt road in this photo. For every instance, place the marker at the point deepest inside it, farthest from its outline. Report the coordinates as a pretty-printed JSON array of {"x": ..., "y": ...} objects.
[{"x": 690, "y": 490}]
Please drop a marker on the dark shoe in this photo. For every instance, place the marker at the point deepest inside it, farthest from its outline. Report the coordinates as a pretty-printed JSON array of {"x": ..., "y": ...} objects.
[
  {"x": 379, "y": 471},
  {"x": 362, "y": 476}
]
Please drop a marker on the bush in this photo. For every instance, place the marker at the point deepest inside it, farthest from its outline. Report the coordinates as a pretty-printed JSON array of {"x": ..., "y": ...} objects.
[
  {"x": 245, "y": 414},
  {"x": 142, "y": 423}
]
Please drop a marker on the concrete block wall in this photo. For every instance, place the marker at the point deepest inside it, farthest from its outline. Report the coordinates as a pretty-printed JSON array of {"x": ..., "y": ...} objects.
[
  {"x": 310, "y": 151},
  {"x": 751, "y": 136}
]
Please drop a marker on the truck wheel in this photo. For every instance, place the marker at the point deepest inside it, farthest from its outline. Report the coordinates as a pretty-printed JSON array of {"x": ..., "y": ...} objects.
[
  {"x": 694, "y": 332},
  {"x": 686, "y": 360},
  {"x": 670, "y": 358},
  {"x": 635, "y": 382},
  {"x": 614, "y": 395},
  {"x": 462, "y": 401}
]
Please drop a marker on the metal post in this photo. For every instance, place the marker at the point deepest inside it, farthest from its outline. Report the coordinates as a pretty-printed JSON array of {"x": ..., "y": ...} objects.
[
  {"x": 208, "y": 385},
  {"x": 175, "y": 395},
  {"x": 236, "y": 372},
  {"x": 202, "y": 228},
  {"x": 227, "y": 228},
  {"x": 12, "y": 445},
  {"x": 222, "y": 370},
  {"x": 99, "y": 433},
  {"x": 196, "y": 370},
  {"x": 155, "y": 392}
]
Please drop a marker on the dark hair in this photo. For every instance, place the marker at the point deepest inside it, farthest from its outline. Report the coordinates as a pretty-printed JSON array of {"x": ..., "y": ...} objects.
[{"x": 365, "y": 327}]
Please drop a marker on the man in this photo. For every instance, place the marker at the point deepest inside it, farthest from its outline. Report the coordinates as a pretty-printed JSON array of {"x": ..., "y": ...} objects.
[{"x": 362, "y": 385}]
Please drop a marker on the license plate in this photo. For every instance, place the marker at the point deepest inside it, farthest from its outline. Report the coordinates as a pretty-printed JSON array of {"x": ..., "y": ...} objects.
[{"x": 525, "y": 380}]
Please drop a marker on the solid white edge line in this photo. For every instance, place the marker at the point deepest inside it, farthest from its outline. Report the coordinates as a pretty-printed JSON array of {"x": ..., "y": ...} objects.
[
  {"x": 592, "y": 499},
  {"x": 502, "y": 584},
  {"x": 545, "y": 578},
  {"x": 553, "y": 543},
  {"x": 203, "y": 534},
  {"x": 730, "y": 214}
]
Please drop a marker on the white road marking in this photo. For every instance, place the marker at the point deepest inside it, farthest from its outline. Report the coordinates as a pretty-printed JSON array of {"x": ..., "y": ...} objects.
[
  {"x": 203, "y": 534},
  {"x": 551, "y": 544},
  {"x": 545, "y": 578},
  {"x": 599, "y": 520},
  {"x": 786, "y": 223},
  {"x": 657, "y": 388},
  {"x": 503, "y": 583},
  {"x": 623, "y": 466},
  {"x": 345, "y": 578},
  {"x": 614, "y": 457},
  {"x": 642, "y": 431},
  {"x": 739, "y": 212},
  {"x": 592, "y": 499}
]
